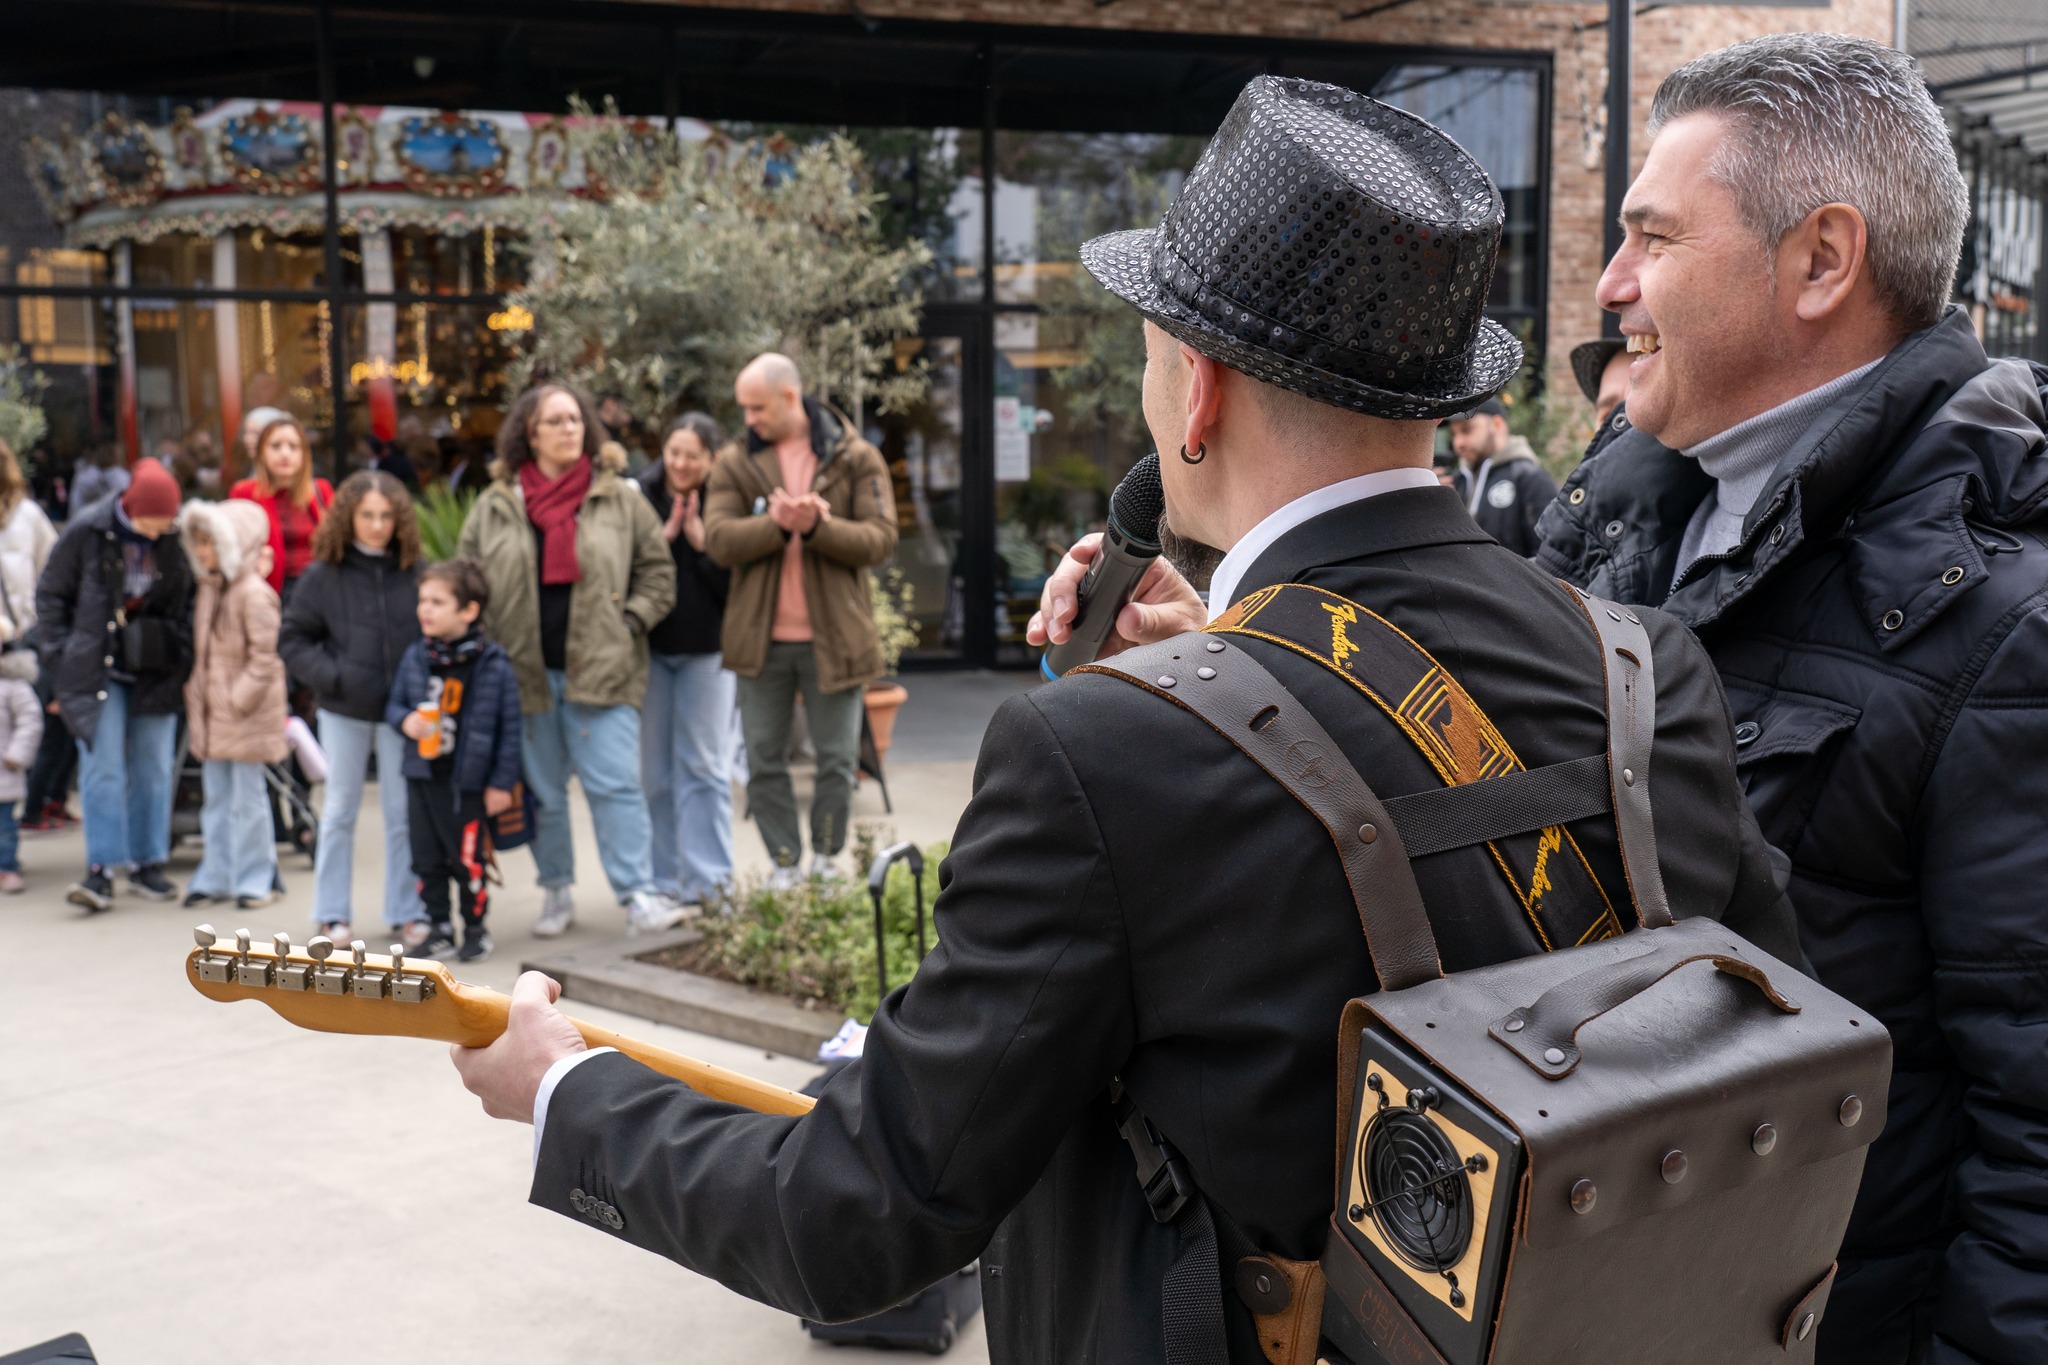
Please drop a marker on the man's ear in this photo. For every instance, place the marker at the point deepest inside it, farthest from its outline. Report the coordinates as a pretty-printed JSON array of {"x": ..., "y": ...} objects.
[
  {"x": 1205, "y": 395},
  {"x": 1824, "y": 260}
]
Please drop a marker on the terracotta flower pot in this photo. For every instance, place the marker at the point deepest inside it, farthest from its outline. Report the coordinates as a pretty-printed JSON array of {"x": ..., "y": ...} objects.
[{"x": 882, "y": 699}]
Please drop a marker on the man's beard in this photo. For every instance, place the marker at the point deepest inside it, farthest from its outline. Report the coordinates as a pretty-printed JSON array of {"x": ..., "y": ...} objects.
[{"x": 1193, "y": 560}]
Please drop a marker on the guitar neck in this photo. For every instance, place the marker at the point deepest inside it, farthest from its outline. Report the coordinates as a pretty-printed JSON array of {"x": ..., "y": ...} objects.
[{"x": 373, "y": 994}]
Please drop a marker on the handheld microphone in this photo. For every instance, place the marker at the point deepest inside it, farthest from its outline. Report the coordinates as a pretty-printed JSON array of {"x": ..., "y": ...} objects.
[{"x": 1129, "y": 546}]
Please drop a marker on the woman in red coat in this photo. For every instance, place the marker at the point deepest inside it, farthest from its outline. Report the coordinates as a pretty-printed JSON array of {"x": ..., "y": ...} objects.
[{"x": 282, "y": 483}]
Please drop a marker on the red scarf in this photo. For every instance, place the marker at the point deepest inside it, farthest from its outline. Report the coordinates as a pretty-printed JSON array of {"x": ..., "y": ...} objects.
[{"x": 552, "y": 505}]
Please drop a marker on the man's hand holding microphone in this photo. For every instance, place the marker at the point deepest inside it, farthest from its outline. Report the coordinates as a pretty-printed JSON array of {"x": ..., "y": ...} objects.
[{"x": 1123, "y": 596}]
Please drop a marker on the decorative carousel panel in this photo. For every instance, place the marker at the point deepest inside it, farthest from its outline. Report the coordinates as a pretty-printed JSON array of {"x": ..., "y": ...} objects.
[
  {"x": 50, "y": 166},
  {"x": 188, "y": 150},
  {"x": 355, "y": 149},
  {"x": 271, "y": 152},
  {"x": 131, "y": 170},
  {"x": 451, "y": 153},
  {"x": 547, "y": 156}
]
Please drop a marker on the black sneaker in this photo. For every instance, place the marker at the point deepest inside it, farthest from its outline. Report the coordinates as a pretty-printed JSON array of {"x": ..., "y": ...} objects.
[
  {"x": 476, "y": 945},
  {"x": 196, "y": 898},
  {"x": 150, "y": 883},
  {"x": 94, "y": 891},
  {"x": 440, "y": 945}
]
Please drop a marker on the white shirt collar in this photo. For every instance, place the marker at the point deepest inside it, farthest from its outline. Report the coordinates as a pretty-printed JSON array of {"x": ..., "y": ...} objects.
[{"x": 1223, "y": 582}]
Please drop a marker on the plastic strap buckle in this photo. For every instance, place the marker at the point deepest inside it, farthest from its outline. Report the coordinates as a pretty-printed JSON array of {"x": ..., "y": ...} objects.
[{"x": 1162, "y": 1174}]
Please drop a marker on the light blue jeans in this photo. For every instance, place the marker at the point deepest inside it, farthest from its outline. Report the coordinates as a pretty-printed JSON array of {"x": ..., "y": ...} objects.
[
  {"x": 685, "y": 753},
  {"x": 349, "y": 743},
  {"x": 601, "y": 745},
  {"x": 241, "y": 844},
  {"x": 124, "y": 785}
]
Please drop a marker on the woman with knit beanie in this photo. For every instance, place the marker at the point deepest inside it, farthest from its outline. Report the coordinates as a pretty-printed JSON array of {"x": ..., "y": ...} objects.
[{"x": 114, "y": 631}]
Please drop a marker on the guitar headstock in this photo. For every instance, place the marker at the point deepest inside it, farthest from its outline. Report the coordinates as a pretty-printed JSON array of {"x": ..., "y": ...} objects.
[{"x": 341, "y": 991}]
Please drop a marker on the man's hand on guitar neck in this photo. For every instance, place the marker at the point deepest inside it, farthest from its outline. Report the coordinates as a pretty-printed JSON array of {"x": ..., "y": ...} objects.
[{"x": 507, "y": 1074}]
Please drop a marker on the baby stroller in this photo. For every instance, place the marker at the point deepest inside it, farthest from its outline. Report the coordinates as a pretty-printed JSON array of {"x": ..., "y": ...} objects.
[{"x": 291, "y": 799}]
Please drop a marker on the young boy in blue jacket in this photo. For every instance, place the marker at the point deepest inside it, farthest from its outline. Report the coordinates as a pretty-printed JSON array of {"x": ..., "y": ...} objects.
[{"x": 457, "y": 699}]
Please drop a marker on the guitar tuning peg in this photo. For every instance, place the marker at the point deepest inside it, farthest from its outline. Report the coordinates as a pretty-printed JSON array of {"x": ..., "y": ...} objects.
[
  {"x": 242, "y": 942},
  {"x": 361, "y": 951},
  {"x": 320, "y": 947},
  {"x": 282, "y": 943},
  {"x": 397, "y": 960},
  {"x": 204, "y": 936}
]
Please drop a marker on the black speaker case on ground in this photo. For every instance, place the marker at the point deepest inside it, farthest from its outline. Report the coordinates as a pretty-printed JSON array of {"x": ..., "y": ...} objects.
[{"x": 928, "y": 1322}]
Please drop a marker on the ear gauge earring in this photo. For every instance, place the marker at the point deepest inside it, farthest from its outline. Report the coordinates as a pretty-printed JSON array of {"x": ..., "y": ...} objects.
[{"x": 1201, "y": 453}]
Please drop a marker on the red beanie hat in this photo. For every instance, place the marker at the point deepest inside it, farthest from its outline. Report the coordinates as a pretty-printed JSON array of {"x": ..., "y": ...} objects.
[{"x": 152, "y": 492}]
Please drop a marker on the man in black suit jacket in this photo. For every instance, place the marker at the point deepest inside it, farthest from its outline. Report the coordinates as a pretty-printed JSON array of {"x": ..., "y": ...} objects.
[{"x": 1127, "y": 895}]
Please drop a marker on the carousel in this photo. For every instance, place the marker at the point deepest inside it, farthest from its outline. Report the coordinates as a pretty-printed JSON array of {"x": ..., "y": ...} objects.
[{"x": 430, "y": 203}]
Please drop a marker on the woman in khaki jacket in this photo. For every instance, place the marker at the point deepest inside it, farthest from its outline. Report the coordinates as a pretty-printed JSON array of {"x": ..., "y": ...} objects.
[
  {"x": 579, "y": 571},
  {"x": 234, "y": 700}
]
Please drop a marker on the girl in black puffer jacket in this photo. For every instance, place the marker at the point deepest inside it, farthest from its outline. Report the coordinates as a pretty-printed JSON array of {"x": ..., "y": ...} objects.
[{"x": 347, "y": 625}]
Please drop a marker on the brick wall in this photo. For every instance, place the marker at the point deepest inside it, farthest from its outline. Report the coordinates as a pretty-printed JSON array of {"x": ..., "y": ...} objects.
[{"x": 1664, "y": 39}]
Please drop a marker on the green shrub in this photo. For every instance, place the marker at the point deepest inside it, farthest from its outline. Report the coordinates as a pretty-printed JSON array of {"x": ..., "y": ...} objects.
[
  {"x": 816, "y": 942},
  {"x": 441, "y": 515}
]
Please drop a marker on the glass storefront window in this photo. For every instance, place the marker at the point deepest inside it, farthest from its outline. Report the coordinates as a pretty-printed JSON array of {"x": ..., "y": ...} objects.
[
  {"x": 1069, "y": 357},
  {"x": 925, "y": 451}
]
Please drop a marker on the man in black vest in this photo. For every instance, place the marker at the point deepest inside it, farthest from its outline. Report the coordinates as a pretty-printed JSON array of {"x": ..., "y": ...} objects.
[
  {"x": 1128, "y": 896},
  {"x": 1820, "y": 471}
]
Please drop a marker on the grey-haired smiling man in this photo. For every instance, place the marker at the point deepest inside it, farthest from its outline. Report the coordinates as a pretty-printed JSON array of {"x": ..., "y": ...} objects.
[{"x": 1819, "y": 471}]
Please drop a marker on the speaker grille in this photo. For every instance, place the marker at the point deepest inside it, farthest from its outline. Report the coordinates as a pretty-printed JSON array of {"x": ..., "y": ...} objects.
[{"x": 1417, "y": 1186}]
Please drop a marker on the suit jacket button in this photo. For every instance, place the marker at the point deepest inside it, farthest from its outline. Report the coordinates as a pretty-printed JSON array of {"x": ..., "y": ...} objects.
[{"x": 578, "y": 1200}]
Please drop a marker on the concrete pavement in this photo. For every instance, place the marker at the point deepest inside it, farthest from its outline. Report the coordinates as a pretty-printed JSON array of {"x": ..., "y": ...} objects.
[{"x": 191, "y": 1182}]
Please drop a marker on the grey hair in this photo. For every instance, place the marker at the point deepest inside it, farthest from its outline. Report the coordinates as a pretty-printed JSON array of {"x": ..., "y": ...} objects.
[
  {"x": 1825, "y": 118},
  {"x": 700, "y": 425}
]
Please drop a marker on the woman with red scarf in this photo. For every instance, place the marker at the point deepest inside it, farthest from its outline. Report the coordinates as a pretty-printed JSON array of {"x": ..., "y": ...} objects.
[
  {"x": 579, "y": 570},
  {"x": 282, "y": 484}
]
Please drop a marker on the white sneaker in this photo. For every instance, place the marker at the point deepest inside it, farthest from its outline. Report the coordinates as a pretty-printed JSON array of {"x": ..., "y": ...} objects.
[
  {"x": 821, "y": 866},
  {"x": 557, "y": 913},
  {"x": 649, "y": 913},
  {"x": 785, "y": 878}
]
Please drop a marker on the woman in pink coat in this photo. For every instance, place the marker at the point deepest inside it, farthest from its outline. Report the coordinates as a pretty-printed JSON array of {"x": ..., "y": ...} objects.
[{"x": 235, "y": 698}]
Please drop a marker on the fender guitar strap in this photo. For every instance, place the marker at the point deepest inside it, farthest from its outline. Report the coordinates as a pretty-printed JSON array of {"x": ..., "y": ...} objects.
[{"x": 1544, "y": 867}]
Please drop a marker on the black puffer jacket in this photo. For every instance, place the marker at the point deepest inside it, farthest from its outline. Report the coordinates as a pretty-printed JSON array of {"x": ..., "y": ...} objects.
[
  {"x": 1882, "y": 631},
  {"x": 347, "y": 626},
  {"x": 77, "y": 631}
]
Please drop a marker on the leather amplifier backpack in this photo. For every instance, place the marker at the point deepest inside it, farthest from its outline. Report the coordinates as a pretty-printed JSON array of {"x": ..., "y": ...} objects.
[{"x": 1637, "y": 1147}]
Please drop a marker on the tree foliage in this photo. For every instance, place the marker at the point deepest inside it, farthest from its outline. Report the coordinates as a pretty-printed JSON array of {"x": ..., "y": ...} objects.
[
  {"x": 694, "y": 259},
  {"x": 22, "y": 422}
]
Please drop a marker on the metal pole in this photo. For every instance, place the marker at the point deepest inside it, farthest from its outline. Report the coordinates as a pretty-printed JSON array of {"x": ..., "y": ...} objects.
[
  {"x": 1620, "y": 27},
  {"x": 337, "y": 358}
]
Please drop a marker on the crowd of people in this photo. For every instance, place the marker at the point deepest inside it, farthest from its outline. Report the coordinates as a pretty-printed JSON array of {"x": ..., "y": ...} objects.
[{"x": 618, "y": 629}]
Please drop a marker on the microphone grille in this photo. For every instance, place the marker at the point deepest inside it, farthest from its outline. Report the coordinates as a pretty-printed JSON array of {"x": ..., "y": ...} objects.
[{"x": 1139, "y": 501}]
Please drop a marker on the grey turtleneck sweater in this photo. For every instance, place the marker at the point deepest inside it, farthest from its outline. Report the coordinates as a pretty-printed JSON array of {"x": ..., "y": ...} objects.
[{"x": 1742, "y": 460}]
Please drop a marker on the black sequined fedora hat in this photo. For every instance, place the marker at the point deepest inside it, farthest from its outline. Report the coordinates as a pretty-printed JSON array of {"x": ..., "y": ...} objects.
[{"x": 1329, "y": 244}]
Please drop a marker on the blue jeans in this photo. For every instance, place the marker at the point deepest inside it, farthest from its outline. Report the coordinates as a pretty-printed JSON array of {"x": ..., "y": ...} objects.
[
  {"x": 601, "y": 745},
  {"x": 10, "y": 839},
  {"x": 241, "y": 844},
  {"x": 349, "y": 743},
  {"x": 685, "y": 753},
  {"x": 124, "y": 785}
]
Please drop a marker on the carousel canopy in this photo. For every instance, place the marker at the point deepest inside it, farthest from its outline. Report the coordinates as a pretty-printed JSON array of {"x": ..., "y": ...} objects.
[{"x": 244, "y": 163}]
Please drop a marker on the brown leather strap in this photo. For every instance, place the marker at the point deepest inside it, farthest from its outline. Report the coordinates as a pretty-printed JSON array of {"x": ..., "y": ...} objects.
[
  {"x": 1545, "y": 1033},
  {"x": 1245, "y": 704},
  {"x": 1631, "y": 726}
]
